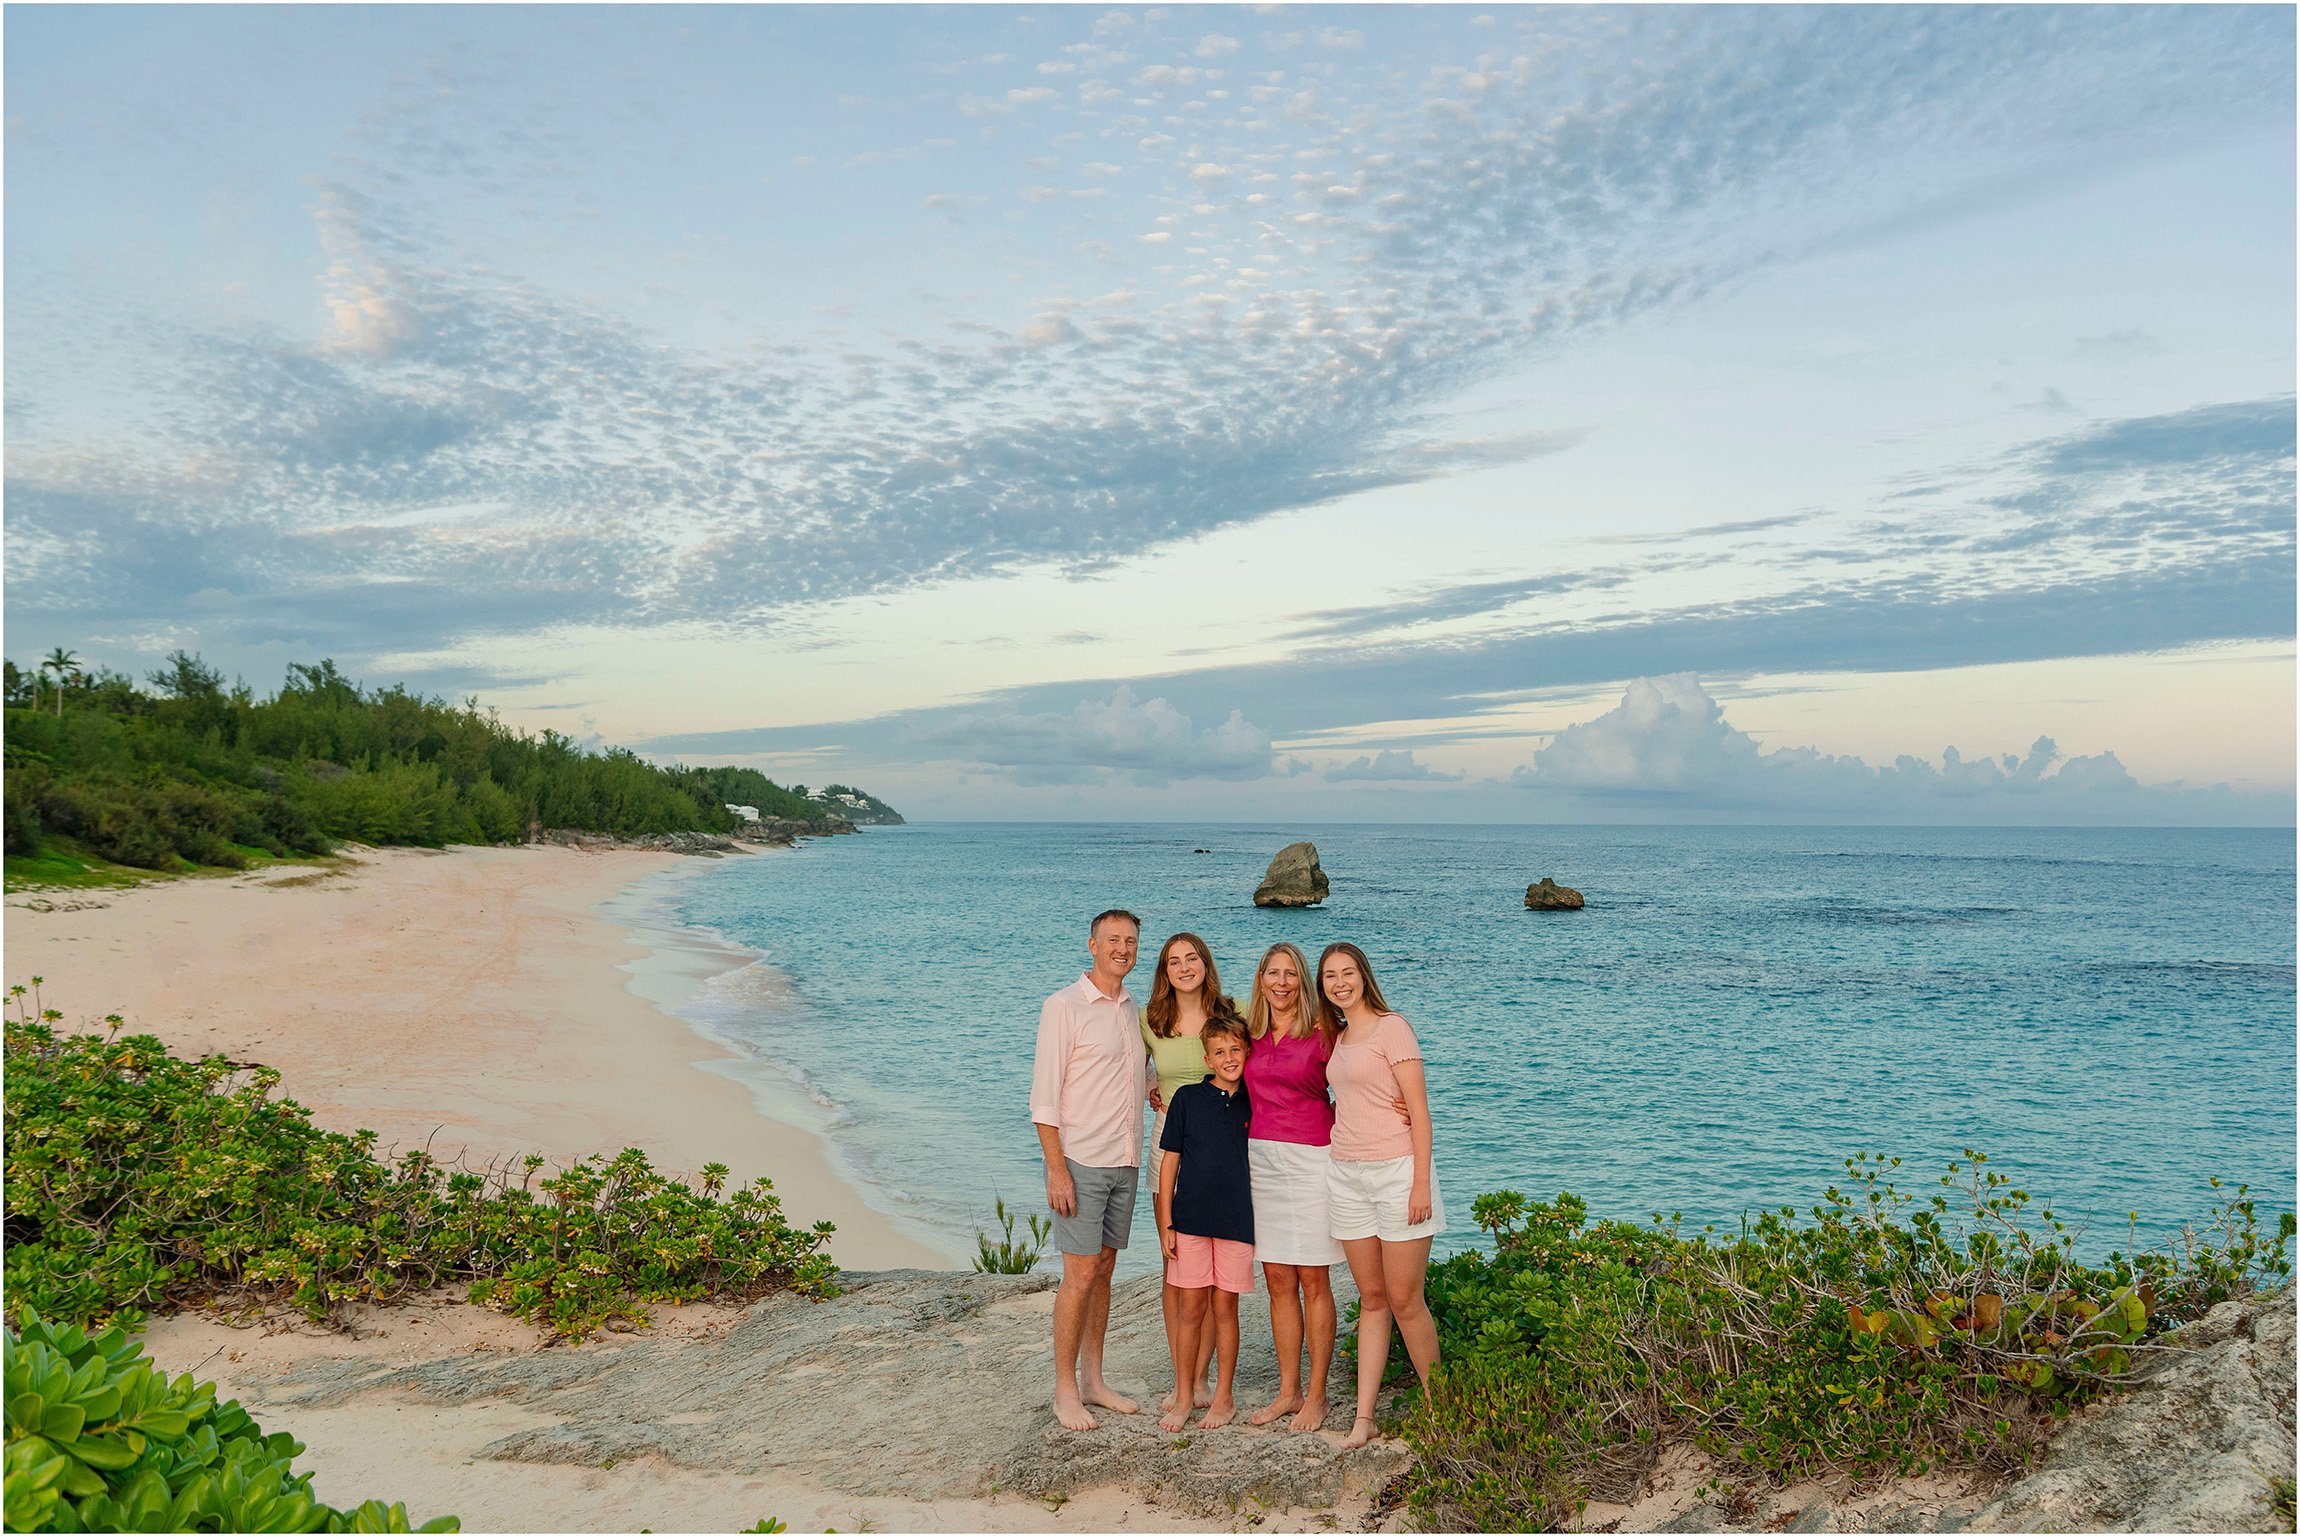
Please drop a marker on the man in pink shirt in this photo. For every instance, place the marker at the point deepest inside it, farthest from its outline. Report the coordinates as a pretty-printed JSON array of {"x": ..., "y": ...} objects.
[{"x": 1088, "y": 1084}]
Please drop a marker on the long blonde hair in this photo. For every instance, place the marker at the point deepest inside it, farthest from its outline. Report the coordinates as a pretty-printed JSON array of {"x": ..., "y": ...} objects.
[{"x": 1308, "y": 1018}]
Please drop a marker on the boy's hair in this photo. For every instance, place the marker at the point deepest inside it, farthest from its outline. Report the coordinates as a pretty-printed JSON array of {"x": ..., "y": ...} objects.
[
  {"x": 1225, "y": 1024},
  {"x": 1107, "y": 915}
]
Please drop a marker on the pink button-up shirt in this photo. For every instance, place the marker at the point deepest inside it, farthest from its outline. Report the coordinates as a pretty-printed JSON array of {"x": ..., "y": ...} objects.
[{"x": 1090, "y": 1076}]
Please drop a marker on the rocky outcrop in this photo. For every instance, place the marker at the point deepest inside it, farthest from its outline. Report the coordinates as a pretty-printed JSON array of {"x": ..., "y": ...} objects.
[
  {"x": 2196, "y": 1445},
  {"x": 911, "y": 1384},
  {"x": 768, "y": 832},
  {"x": 2192, "y": 1449},
  {"x": 1295, "y": 879},
  {"x": 1546, "y": 896}
]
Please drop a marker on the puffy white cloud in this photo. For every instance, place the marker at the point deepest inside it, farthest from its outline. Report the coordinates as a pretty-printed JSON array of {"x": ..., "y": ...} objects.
[
  {"x": 1147, "y": 741},
  {"x": 1390, "y": 765},
  {"x": 1669, "y": 738}
]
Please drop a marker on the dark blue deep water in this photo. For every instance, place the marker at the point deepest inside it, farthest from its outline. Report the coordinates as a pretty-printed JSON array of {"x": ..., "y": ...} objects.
[{"x": 2108, "y": 1013}]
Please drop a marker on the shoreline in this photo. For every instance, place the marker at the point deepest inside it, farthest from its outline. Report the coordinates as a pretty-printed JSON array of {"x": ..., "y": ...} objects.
[
  {"x": 677, "y": 962},
  {"x": 478, "y": 1001}
]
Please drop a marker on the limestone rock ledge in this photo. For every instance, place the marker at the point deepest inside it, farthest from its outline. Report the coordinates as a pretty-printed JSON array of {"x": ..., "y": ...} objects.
[
  {"x": 911, "y": 1384},
  {"x": 2190, "y": 1450}
]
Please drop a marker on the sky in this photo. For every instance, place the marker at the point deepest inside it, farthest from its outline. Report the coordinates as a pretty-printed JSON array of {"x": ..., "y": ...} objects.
[{"x": 1202, "y": 413}]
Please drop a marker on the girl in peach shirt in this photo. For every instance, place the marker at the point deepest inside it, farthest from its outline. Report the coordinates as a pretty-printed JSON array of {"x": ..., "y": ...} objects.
[{"x": 1384, "y": 1200}]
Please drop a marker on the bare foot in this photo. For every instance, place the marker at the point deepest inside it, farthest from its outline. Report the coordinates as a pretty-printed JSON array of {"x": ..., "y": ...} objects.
[
  {"x": 1218, "y": 1413},
  {"x": 1173, "y": 1419},
  {"x": 1275, "y": 1410},
  {"x": 1203, "y": 1398},
  {"x": 1103, "y": 1395},
  {"x": 1073, "y": 1414},
  {"x": 1360, "y": 1433},
  {"x": 1312, "y": 1417}
]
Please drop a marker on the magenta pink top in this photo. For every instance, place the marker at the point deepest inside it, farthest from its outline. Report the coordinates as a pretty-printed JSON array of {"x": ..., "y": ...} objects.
[{"x": 1286, "y": 1085}]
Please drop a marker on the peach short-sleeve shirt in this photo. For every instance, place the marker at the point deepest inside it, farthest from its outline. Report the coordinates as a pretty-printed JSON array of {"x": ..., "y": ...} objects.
[{"x": 1371, "y": 1122}]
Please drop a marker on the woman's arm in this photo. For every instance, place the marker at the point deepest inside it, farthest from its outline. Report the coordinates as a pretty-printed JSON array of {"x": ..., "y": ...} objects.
[{"x": 1413, "y": 1088}]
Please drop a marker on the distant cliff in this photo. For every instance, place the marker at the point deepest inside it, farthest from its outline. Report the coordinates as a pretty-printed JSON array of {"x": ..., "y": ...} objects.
[{"x": 858, "y": 806}]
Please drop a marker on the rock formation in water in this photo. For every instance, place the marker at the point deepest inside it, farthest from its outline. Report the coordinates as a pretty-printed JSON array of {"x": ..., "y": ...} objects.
[
  {"x": 1295, "y": 879},
  {"x": 1549, "y": 897}
]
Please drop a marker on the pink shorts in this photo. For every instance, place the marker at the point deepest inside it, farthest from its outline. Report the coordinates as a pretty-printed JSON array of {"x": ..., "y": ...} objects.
[{"x": 1200, "y": 1262}]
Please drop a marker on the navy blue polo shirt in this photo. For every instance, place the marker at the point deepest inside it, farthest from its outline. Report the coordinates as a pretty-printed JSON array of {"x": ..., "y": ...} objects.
[{"x": 1213, "y": 1193}]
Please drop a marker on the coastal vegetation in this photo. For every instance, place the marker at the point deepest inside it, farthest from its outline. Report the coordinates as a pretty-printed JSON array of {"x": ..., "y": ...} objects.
[
  {"x": 1885, "y": 1335},
  {"x": 139, "y": 1180},
  {"x": 1011, "y": 1256},
  {"x": 99, "y": 1440},
  {"x": 105, "y": 777}
]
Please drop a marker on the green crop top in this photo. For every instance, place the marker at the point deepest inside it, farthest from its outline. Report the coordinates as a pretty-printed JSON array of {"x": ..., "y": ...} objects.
[{"x": 1179, "y": 1059}]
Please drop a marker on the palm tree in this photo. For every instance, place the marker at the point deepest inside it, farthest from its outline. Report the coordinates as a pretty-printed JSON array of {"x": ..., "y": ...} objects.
[{"x": 63, "y": 664}]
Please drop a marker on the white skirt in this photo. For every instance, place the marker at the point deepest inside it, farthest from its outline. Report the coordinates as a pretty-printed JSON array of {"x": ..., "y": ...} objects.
[{"x": 1291, "y": 1226}]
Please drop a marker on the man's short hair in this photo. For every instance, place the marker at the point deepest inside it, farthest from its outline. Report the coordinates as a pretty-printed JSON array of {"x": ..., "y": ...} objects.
[{"x": 1106, "y": 915}]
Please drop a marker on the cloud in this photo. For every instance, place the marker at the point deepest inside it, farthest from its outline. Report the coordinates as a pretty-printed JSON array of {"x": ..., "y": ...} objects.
[
  {"x": 1389, "y": 765},
  {"x": 1636, "y": 161},
  {"x": 1147, "y": 741},
  {"x": 1668, "y": 739},
  {"x": 2101, "y": 541}
]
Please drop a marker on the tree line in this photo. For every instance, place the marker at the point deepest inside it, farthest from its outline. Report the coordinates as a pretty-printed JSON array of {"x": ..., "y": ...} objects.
[{"x": 185, "y": 770}]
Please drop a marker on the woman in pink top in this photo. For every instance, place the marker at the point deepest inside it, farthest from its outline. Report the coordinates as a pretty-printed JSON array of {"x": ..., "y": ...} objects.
[
  {"x": 1384, "y": 1197},
  {"x": 1286, "y": 1138}
]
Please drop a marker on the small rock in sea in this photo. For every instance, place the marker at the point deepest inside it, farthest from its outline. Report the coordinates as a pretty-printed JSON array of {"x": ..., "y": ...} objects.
[
  {"x": 1549, "y": 897},
  {"x": 1295, "y": 879},
  {"x": 1201, "y": 851}
]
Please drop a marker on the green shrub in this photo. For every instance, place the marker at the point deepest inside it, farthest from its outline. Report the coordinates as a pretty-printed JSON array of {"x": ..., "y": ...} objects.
[
  {"x": 1878, "y": 1337},
  {"x": 1008, "y": 1257},
  {"x": 138, "y": 1180},
  {"x": 101, "y": 1441}
]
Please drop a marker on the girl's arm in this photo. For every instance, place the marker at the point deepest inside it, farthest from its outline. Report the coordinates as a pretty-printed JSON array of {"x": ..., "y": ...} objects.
[
  {"x": 1413, "y": 1087},
  {"x": 1163, "y": 1207},
  {"x": 1150, "y": 1065}
]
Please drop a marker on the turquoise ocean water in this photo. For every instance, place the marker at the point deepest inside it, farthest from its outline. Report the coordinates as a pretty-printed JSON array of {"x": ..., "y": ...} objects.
[{"x": 2108, "y": 1013}]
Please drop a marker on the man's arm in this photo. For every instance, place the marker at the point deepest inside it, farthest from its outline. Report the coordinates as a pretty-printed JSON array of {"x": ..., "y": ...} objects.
[
  {"x": 1047, "y": 1067},
  {"x": 1061, "y": 1193}
]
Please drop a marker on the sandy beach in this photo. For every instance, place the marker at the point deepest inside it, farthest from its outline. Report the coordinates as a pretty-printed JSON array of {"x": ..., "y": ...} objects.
[{"x": 473, "y": 1000}]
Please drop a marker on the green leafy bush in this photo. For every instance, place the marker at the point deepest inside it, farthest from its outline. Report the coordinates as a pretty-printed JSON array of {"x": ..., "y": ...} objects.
[
  {"x": 1008, "y": 1257},
  {"x": 137, "y": 1180},
  {"x": 1878, "y": 1337},
  {"x": 101, "y": 1441}
]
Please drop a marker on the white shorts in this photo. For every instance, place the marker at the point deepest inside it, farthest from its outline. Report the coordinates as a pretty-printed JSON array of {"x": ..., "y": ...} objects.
[
  {"x": 1291, "y": 1226},
  {"x": 1368, "y": 1200}
]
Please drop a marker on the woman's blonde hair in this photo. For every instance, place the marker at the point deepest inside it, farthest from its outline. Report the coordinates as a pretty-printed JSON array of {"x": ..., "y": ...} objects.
[{"x": 1308, "y": 1017}]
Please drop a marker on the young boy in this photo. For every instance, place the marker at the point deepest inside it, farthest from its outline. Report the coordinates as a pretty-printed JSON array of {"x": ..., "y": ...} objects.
[{"x": 1206, "y": 1218}]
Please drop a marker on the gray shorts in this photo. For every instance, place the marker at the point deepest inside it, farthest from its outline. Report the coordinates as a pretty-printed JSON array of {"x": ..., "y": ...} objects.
[{"x": 1105, "y": 1217}]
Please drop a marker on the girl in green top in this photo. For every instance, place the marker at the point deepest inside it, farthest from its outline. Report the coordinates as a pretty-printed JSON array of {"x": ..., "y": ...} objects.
[{"x": 1184, "y": 991}]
